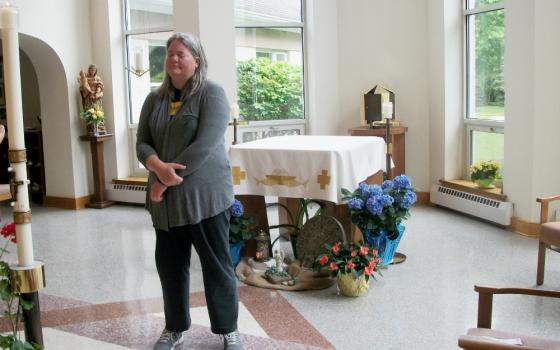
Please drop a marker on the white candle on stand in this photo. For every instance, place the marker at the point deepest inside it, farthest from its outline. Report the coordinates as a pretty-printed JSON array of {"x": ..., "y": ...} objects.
[
  {"x": 234, "y": 111},
  {"x": 387, "y": 110},
  {"x": 139, "y": 60},
  {"x": 12, "y": 90}
]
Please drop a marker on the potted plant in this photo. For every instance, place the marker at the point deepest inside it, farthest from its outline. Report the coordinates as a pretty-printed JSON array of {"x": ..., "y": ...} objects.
[
  {"x": 352, "y": 264},
  {"x": 379, "y": 210},
  {"x": 240, "y": 231},
  {"x": 296, "y": 222},
  {"x": 485, "y": 172},
  {"x": 94, "y": 117}
]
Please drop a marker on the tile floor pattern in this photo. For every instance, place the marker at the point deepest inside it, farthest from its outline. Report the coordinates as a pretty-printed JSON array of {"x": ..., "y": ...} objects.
[
  {"x": 103, "y": 291},
  {"x": 266, "y": 321}
]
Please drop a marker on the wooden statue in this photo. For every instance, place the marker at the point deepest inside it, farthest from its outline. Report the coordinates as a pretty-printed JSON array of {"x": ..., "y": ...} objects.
[{"x": 91, "y": 91}]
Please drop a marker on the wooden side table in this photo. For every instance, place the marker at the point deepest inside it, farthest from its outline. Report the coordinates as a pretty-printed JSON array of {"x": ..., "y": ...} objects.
[
  {"x": 98, "y": 199},
  {"x": 397, "y": 139}
]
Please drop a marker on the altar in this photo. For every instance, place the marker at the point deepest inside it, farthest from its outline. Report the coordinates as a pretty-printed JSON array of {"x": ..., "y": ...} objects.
[{"x": 304, "y": 167}]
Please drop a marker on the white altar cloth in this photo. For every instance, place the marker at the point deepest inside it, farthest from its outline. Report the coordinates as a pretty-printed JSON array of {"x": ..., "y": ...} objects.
[{"x": 305, "y": 166}]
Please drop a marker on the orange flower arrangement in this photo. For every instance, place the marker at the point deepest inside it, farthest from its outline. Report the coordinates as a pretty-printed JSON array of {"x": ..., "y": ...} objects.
[{"x": 355, "y": 258}]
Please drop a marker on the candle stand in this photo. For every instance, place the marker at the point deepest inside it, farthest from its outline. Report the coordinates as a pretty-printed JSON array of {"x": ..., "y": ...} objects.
[{"x": 235, "y": 123}]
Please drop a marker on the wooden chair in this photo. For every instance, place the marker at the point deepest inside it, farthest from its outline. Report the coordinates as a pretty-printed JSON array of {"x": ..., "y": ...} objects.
[
  {"x": 549, "y": 235},
  {"x": 484, "y": 338}
]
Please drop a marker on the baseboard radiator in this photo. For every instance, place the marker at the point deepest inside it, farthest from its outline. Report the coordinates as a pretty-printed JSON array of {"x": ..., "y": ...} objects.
[
  {"x": 126, "y": 193},
  {"x": 493, "y": 210}
]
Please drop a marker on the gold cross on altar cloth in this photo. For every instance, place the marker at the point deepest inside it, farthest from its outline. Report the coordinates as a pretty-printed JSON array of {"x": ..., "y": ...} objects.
[
  {"x": 237, "y": 175},
  {"x": 323, "y": 179}
]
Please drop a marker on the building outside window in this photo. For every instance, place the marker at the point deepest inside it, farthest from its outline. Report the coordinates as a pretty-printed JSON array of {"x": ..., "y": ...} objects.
[
  {"x": 147, "y": 26},
  {"x": 270, "y": 67},
  {"x": 484, "y": 78}
]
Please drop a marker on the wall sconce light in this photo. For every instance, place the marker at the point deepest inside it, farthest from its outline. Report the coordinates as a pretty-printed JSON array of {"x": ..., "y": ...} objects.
[{"x": 138, "y": 68}]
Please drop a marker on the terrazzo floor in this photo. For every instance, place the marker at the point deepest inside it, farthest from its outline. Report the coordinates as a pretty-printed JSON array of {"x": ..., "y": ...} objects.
[{"x": 103, "y": 291}]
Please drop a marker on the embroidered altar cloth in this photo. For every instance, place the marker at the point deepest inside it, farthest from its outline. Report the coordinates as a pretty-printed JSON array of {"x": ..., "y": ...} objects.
[{"x": 305, "y": 166}]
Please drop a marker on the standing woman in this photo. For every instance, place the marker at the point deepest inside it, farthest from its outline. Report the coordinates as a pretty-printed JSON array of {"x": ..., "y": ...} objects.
[{"x": 181, "y": 142}]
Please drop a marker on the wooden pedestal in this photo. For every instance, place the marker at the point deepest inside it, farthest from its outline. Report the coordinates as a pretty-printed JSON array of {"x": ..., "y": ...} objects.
[
  {"x": 397, "y": 139},
  {"x": 98, "y": 200}
]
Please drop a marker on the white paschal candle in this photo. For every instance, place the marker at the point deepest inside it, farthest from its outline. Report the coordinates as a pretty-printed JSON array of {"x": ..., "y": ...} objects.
[
  {"x": 387, "y": 110},
  {"x": 12, "y": 91}
]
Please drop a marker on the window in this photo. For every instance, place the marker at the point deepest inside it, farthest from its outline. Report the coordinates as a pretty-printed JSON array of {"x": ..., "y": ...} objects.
[
  {"x": 270, "y": 67},
  {"x": 484, "y": 78},
  {"x": 147, "y": 26}
]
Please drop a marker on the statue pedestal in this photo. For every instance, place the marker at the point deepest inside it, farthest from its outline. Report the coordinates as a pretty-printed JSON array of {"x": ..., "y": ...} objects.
[{"x": 98, "y": 199}]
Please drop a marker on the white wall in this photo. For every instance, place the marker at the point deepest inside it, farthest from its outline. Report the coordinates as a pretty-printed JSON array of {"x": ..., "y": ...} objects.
[
  {"x": 546, "y": 172},
  {"x": 321, "y": 36},
  {"x": 58, "y": 51},
  {"x": 213, "y": 22},
  {"x": 519, "y": 75},
  {"x": 29, "y": 93},
  {"x": 107, "y": 46},
  {"x": 436, "y": 90},
  {"x": 387, "y": 42},
  {"x": 532, "y": 53},
  {"x": 454, "y": 145}
]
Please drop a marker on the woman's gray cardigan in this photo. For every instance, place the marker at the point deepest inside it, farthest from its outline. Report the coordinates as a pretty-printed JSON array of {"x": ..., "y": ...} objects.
[{"x": 193, "y": 137}]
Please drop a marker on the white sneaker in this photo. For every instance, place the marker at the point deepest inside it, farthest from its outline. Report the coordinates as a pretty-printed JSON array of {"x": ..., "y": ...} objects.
[{"x": 232, "y": 341}]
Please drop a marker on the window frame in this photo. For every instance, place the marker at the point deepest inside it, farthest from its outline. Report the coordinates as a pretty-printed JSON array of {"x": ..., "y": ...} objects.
[
  {"x": 470, "y": 123},
  {"x": 281, "y": 124}
]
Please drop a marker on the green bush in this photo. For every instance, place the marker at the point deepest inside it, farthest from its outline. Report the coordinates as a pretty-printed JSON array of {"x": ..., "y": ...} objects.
[{"x": 269, "y": 90}]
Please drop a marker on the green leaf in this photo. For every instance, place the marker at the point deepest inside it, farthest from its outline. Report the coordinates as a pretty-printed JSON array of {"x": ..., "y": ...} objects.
[
  {"x": 17, "y": 345},
  {"x": 6, "y": 341},
  {"x": 5, "y": 290},
  {"x": 25, "y": 304}
]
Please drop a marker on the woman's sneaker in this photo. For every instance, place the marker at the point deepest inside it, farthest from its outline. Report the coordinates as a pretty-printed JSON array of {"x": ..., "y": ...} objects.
[
  {"x": 232, "y": 341},
  {"x": 168, "y": 340}
]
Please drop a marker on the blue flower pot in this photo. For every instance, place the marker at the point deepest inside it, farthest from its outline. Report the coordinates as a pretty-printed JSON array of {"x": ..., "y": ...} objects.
[
  {"x": 235, "y": 251},
  {"x": 385, "y": 246}
]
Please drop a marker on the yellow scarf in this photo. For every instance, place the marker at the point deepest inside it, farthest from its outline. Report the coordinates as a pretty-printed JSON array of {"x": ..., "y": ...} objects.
[{"x": 174, "y": 106}]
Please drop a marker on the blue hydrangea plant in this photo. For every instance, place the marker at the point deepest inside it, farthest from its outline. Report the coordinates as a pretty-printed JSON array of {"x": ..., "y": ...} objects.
[
  {"x": 240, "y": 226},
  {"x": 377, "y": 207}
]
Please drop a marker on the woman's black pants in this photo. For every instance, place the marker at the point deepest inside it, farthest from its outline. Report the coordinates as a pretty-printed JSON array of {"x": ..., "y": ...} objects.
[{"x": 210, "y": 238}]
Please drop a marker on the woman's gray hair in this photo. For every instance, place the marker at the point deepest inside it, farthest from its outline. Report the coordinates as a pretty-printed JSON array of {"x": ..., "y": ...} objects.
[{"x": 196, "y": 82}]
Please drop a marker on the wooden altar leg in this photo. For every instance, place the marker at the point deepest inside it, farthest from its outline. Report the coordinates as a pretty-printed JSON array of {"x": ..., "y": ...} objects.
[
  {"x": 254, "y": 206},
  {"x": 376, "y": 178},
  {"x": 341, "y": 212},
  {"x": 283, "y": 216}
]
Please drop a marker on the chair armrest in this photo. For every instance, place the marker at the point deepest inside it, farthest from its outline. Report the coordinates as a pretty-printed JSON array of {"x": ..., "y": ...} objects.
[
  {"x": 524, "y": 291},
  {"x": 486, "y": 294},
  {"x": 547, "y": 199},
  {"x": 469, "y": 342},
  {"x": 544, "y": 206}
]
